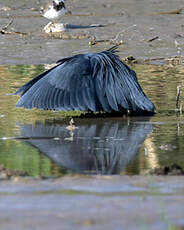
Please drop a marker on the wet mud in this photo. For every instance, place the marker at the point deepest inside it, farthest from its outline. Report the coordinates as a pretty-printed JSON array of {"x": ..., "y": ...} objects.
[
  {"x": 147, "y": 29},
  {"x": 93, "y": 202}
]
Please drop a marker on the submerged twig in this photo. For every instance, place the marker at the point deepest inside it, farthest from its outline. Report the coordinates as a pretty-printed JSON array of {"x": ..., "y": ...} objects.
[
  {"x": 94, "y": 41},
  {"x": 178, "y": 96},
  {"x": 113, "y": 41},
  {"x": 153, "y": 39},
  {"x": 4, "y": 29},
  {"x": 130, "y": 60},
  {"x": 178, "y": 105},
  {"x": 9, "y": 24},
  {"x": 171, "y": 12},
  {"x": 122, "y": 31}
]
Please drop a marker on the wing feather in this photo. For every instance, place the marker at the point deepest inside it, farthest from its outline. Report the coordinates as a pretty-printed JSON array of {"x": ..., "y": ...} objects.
[
  {"x": 88, "y": 82},
  {"x": 99, "y": 75}
]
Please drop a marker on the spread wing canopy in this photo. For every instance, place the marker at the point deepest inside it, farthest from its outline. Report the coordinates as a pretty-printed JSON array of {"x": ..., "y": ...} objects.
[{"x": 86, "y": 82}]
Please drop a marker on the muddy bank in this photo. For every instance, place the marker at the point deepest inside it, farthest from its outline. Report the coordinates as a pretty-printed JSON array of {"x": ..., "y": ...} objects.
[
  {"x": 110, "y": 202},
  {"x": 146, "y": 28}
]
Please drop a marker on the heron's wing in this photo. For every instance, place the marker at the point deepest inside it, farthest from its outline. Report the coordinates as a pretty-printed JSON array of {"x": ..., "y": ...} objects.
[
  {"x": 68, "y": 86},
  {"x": 22, "y": 90},
  {"x": 117, "y": 84},
  {"x": 86, "y": 82}
]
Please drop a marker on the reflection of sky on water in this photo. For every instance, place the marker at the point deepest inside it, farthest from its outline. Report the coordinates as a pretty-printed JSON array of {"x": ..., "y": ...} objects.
[{"x": 93, "y": 147}]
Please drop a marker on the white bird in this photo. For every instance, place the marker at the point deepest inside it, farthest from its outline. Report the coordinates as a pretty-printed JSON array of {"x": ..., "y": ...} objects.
[{"x": 54, "y": 11}]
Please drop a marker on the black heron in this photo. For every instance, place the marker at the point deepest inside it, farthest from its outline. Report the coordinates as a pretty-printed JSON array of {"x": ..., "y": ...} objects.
[{"x": 87, "y": 82}]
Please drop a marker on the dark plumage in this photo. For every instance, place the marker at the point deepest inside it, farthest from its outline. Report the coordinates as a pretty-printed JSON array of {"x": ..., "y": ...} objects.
[{"x": 87, "y": 82}]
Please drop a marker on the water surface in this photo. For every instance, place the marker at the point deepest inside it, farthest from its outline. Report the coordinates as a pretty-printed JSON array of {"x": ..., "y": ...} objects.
[{"x": 39, "y": 143}]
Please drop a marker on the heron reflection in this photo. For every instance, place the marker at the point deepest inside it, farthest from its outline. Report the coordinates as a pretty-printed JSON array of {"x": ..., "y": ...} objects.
[{"x": 95, "y": 147}]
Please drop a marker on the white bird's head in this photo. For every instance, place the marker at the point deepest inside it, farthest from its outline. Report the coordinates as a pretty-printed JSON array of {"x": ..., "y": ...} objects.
[
  {"x": 59, "y": 5},
  {"x": 59, "y": 1}
]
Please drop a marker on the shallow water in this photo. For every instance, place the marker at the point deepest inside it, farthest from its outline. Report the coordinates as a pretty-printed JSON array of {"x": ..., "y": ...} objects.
[{"x": 39, "y": 143}]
